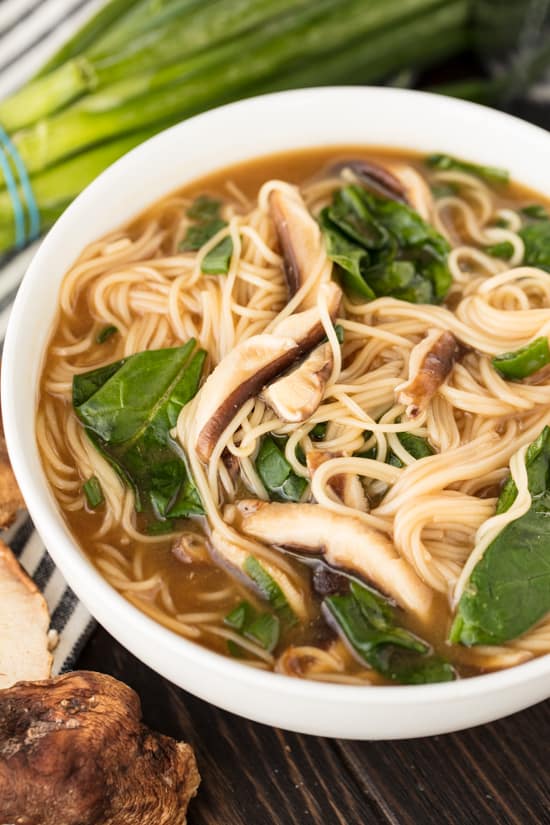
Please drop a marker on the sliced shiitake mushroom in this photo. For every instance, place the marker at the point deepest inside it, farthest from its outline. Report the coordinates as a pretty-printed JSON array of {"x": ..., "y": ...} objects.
[
  {"x": 430, "y": 364},
  {"x": 299, "y": 238},
  {"x": 24, "y": 623},
  {"x": 295, "y": 396},
  {"x": 73, "y": 751},
  {"x": 254, "y": 363},
  {"x": 345, "y": 542}
]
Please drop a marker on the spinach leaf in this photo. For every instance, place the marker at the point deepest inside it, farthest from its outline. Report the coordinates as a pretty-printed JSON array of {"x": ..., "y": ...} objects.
[
  {"x": 383, "y": 247},
  {"x": 535, "y": 211},
  {"x": 536, "y": 237},
  {"x": 492, "y": 174},
  {"x": 503, "y": 250},
  {"x": 319, "y": 432},
  {"x": 204, "y": 208},
  {"x": 269, "y": 589},
  {"x": 105, "y": 333},
  {"x": 521, "y": 363},
  {"x": 198, "y": 234},
  {"x": 278, "y": 478},
  {"x": 368, "y": 623},
  {"x": 444, "y": 190},
  {"x": 348, "y": 256},
  {"x": 128, "y": 409},
  {"x": 206, "y": 212},
  {"x": 263, "y": 628},
  {"x": 93, "y": 492},
  {"x": 218, "y": 260},
  {"x": 509, "y": 589},
  {"x": 417, "y": 446}
]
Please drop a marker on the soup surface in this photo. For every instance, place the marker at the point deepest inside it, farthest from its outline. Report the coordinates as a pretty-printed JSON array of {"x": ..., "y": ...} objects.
[{"x": 351, "y": 495}]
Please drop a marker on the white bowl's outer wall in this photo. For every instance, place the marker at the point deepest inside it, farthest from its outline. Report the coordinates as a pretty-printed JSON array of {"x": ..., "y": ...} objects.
[{"x": 321, "y": 117}]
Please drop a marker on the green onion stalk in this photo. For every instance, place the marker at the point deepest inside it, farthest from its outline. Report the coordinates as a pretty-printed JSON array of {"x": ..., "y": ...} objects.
[
  {"x": 282, "y": 45},
  {"x": 197, "y": 27},
  {"x": 241, "y": 68}
]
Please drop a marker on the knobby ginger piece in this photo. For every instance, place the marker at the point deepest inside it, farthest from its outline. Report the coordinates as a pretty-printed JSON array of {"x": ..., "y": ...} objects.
[{"x": 73, "y": 751}]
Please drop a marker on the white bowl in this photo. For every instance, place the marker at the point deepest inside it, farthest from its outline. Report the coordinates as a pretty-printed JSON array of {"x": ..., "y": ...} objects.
[{"x": 320, "y": 117}]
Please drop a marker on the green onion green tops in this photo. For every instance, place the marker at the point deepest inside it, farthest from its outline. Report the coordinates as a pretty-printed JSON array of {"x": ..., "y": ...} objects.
[
  {"x": 523, "y": 362},
  {"x": 492, "y": 174}
]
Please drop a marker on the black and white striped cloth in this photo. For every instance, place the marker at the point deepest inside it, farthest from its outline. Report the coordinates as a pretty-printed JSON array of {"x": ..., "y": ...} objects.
[{"x": 30, "y": 31}]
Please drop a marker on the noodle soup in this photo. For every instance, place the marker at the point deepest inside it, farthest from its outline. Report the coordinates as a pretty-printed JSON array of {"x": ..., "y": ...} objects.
[{"x": 288, "y": 411}]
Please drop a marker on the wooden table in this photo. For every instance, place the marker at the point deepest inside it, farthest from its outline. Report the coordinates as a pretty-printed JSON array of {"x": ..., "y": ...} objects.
[{"x": 252, "y": 774}]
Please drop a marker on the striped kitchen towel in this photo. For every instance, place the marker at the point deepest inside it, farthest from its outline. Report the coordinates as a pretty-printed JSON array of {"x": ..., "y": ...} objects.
[{"x": 30, "y": 31}]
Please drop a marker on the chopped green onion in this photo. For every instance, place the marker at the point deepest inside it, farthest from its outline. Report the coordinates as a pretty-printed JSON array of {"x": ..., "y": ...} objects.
[
  {"x": 106, "y": 333},
  {"x": 93, "y": 492},
  {"x": 535, "y": 211},
  {"x": 218, "y": 260},
  {"x": 492, "y": 174},
  {"x": 525, "y": 361}
]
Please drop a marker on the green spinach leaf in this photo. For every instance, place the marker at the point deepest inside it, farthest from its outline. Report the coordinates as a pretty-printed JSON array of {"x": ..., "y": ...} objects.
[
  {"x": 524, "y": 361},
  {"x": 535, "y": 211},
  {"x": 536, "y": 237},
  {"x": 368, "y": 623},
  {"x": 383, "y": 247},
  {"x": 492, "y": 174},
  {"x": 204, "y": 208},
  {"x": 262, "y": 628},
  {"x": 503, "y": 250},
  {"x": 417, "y": 446},
  {"x": 278, "y": 477},
  {"x": 509, "y": 589},
  {"x": 128, "y": 409},
  {"x": 198, "y": 234}
]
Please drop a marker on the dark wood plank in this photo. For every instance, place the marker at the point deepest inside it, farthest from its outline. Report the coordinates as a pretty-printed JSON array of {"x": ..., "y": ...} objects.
[
  {"x": 256, "y": 775},
  {"x": 493, "y": 773}
]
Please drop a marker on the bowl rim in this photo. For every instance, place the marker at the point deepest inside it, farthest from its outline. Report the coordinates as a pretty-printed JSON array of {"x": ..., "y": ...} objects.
[{"x": 74, "y": 563}]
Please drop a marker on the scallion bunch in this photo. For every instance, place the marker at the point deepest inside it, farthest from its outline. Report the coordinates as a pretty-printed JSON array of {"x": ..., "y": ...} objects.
[{"x": 137, "y": 67}]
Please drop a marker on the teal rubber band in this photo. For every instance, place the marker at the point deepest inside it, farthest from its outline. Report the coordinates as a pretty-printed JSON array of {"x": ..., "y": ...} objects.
[
  {"x": 18, "y": 208},
  {"x": 32, "y": 208}
]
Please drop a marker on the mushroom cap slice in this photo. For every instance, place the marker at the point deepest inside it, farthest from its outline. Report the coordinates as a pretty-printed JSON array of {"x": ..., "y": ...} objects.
[
  {"x": 24, "y": 623},
  {"x": 374, "y": 176},
  {"x": 74, "y": 751},
  {"x": 299, "y": 238},
  {"x": 238, "y": 377},
  {"x": 296, "y": 395},
  {"x": 251, "y": 365},
  {"x": 430, "y": 364},
  {"x": 417, "y": 192},
  {"x": 346, "y": 543}
]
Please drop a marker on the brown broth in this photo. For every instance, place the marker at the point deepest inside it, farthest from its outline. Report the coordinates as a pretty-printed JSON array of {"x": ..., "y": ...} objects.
[{"x": 188, "y": 583}]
